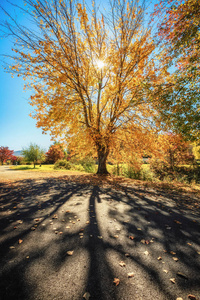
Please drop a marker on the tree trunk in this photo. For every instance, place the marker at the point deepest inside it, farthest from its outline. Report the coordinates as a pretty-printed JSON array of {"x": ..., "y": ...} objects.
[{"x": 102, "y": 158}]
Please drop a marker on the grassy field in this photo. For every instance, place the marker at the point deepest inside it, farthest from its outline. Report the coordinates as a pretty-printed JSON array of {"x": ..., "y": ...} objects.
[{"x": 31, "y": 167}]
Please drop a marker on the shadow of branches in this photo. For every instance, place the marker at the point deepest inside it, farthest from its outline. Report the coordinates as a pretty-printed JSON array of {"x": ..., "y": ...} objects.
[{"x": 61, "y": 239}]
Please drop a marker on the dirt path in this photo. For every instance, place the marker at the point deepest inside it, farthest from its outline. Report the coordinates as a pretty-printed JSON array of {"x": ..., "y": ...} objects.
[{"x": 146, "y": 240}]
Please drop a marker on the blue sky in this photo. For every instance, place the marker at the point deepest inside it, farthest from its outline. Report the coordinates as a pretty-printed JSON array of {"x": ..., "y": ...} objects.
[{"x": 17, "y": 129}]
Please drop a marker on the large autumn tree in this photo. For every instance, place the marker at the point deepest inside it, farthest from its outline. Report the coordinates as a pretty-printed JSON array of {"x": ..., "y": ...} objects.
[{"x": 89, "y": 69}]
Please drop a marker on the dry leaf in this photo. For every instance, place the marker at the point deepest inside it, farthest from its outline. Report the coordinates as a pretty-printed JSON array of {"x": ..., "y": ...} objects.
[
  {"x": 12, "y": 247},
  {"x": 127, "y": 254},
  {"x": 130, "y": 275},
  {"x": 68, "y": 227},
  {"x": 122, "y": 264},
  {"x": 177, "y": 222},
  {"x": 173, "y": 280},
  {"x": 116, "y": 236},
  {"x": 86, "y": 296},
  {"x": 189, "y": 244},
  {"x": 116, "y": 281},
  {"x": 70, "y": 253},
  {"x": 142, "y": 241},
  {"x": 175, "y": 258},
  {"x": 179, "y": 298},
  {"x": 131, "y": 237},
  {"x": 166, "y": 271},
  {"x": 20, "y": 241},
  {"x": 146, "y": 252},
  {"x": 159, "y": 258},
  {"x": 198, "y": 252},
  {"x": 182, "y": 275},
  {"x": 192, "y": 297},
  {"x": 172, "y": 252}
]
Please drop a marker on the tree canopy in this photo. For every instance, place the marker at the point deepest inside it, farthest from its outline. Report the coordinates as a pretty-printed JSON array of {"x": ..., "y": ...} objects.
[
  {"x": 33, "y": 153},
  {"x": 179, "y": 34},
  {"x": 94, "y": 75},
  {"x": 5, "y": 154}
]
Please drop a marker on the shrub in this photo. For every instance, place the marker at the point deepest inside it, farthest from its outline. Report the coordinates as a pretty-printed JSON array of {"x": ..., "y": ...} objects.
[
  {"x": 186, "y": 174},
  {"x": 62, "y": 164},
  {"x": 88, "y": 163},
  {"x": 79, "y": 168}
]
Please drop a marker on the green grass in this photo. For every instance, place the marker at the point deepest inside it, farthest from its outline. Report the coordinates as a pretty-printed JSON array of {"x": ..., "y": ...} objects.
[{"x": 31, "y": 167}]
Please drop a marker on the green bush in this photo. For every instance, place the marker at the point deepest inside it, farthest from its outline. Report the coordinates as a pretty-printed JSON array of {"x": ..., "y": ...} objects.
[
  {"x": 184, "y": 174},
  {"x": 79, "y": 168},
  {"x": 62, "y": 164},
  {"x": 132, "y": 172},
  {"x": 88, "y": 164}
]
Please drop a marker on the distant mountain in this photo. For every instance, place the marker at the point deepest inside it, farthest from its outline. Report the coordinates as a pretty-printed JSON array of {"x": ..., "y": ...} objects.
[{"x": 18, "y": 153}]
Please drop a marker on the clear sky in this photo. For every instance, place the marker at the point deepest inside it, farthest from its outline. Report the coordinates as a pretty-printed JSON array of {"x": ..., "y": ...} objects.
[{"x": 17, "y": 129}]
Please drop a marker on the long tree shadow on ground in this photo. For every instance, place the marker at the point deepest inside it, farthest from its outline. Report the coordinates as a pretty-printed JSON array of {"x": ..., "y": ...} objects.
[{"x": 44, "y": 219}]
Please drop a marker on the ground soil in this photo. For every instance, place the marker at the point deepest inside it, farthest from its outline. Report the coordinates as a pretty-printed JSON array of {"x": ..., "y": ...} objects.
[{"x": 72, "y": 236}]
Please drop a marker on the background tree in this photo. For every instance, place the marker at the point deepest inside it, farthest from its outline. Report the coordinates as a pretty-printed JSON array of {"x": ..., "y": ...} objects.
[
  {"x": 175, "y": 150},
  {"x": 5, "y": 154},
  {"x": 179, "y": 35},
  {"x": 92, "y": 74},
  {"x": 33, "y": 153},
  {"x": 54, "y": 153}
]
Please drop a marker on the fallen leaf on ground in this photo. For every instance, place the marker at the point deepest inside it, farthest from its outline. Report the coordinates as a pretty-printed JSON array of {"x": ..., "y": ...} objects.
[
  {"x": 116, "y": 236},
  {"x": 146, "y": 252},
  {"x": 130, "y": 275},
  {"x": 198, "y": 252},
  {"x": 166, "y": 271},
  {"x": 86, "y": 296},
  {"x": 68, "y": 227},
  {"x": 172, "y": 252},
  {"x": 175, "y": 258},
  {"x": 127, "y": 254},
  {"x": 159, "y": 258},
  {"x": 182, "y": 275},
  {"x": 12, "y": 247},
  {"x": 20, "y": 241},
  {"x": 122, "y": 264},
  {"x": 192, "y": 297},
  {"x": 70, "y": 253},
  {"x": 116, "y": 281},
  {"x": 100, "y": 237},
  {"x": 177, "y": 222},
  {"x": 189, "y": 244},
  {"x": 131, "y": 237},
  {"x": 173, "y": 280},
  {"x": 179, "y": 298}
]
